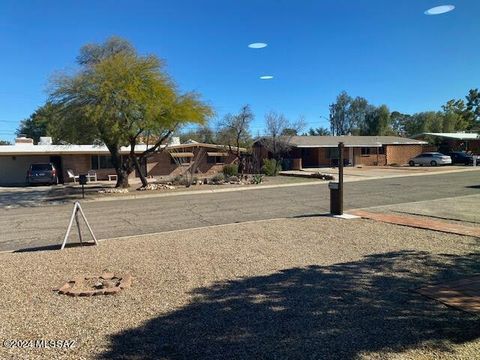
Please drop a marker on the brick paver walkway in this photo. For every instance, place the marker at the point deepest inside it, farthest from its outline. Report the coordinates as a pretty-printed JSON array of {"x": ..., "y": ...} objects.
[
  {"x": 463, "y": 294},
  {"x": 419, "y": 223}
]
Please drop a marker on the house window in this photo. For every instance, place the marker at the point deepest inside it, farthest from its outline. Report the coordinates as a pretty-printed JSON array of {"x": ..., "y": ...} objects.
[
  {"x": 180, "y": 160},
  {"x": 101, "y": 162},
  {"x": 332, "y": 153},
  {"x": 215, "y": 159},
  {"x": 372, "y": 150},
  {"x": 366, "y": 150}
]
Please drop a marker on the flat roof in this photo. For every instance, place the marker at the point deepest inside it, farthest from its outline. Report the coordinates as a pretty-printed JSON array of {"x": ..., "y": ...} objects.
[
  {"x": 350, "y": 141},
  {"x": 29, "y": 149},
  {"x": 456, "y": 136}
]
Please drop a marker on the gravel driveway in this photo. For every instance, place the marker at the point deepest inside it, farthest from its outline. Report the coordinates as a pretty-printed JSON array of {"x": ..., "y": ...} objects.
[{"x": 310, "y": 288}]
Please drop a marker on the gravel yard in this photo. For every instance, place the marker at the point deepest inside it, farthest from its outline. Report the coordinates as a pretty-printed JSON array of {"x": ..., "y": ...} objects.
[{"x": 313, "y": 288}]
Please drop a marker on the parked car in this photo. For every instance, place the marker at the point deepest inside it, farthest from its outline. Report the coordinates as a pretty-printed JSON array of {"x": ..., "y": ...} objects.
[
  {"x": 430, "y": 158},
  {"x": 44, "y": 173},
  {"x": 461, "y": 157}
]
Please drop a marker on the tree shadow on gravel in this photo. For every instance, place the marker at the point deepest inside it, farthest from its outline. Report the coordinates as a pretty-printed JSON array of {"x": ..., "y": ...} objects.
[{"x": 318, "y": 312}]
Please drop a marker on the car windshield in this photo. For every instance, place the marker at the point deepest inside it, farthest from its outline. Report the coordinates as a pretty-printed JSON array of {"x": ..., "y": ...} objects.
[{"x": 41, "y": 167}]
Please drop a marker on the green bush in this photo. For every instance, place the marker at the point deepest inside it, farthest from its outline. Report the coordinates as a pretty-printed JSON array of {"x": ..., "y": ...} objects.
[
  {"x": 218, "y": 178},
  {"x": 176, "y": 180},
  {"x": 230, "y": 170},
  {"x": 271, "y": 167},
  {"x": 180, "y": 180},
  {"x": 257, "y": 179}
]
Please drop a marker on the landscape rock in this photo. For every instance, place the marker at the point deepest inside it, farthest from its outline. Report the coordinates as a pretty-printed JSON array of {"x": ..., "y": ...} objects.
[
  {"x": 96, "y": 285},
  {"x": 155, "y": 186},
  {"x": 113, "y": 191}
]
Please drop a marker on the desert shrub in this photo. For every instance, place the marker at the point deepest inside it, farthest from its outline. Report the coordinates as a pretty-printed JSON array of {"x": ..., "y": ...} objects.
[
  {"x": 230, "y": 170},
  {"x": 271, "y": 167},
  {"x": 176, "y": 180},
  {"x": 257, "y": 179},
  {"x": 180, "y": 180},
  {"x": 218, "y": 178}
]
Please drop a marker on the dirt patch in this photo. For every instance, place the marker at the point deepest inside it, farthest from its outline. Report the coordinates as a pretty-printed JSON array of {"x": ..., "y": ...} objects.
[{"x": 106, "y": 284}]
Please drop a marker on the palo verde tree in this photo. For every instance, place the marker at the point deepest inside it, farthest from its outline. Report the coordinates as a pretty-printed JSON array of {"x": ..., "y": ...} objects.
[{"x": 124, "y": 97}]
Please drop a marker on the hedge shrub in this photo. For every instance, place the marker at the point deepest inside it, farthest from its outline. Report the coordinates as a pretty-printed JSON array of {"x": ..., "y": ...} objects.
[
  {"x": 271, "y": 167},
  {"x": 230, "y": 170}
]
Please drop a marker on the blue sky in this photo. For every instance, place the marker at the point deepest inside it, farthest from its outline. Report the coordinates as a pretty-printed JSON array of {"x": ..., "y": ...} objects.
[{"x": 386, "y": 51}]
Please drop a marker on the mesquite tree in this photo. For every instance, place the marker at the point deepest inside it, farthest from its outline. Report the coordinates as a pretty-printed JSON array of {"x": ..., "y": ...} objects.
[
  {"x": 234, "y": 131},
  {"x": 277, "y": 140},
  {"x": 123, "y": 96}
]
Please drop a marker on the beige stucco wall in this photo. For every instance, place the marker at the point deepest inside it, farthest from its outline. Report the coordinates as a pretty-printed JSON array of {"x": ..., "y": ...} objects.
[{"x": 13, "y": 169}]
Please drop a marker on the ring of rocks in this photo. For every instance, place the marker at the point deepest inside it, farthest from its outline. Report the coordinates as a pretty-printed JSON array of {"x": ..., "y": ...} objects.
[{"x": 106, "y": 284}]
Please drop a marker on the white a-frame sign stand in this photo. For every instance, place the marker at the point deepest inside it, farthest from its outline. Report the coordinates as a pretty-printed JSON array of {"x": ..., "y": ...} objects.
[{"x": 77, "y": 209}]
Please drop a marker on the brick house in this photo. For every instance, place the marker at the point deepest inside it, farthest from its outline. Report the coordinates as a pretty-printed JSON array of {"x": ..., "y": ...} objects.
[
  {"x": 173, "y": 160},
  {"x": 322, "y": 151}
]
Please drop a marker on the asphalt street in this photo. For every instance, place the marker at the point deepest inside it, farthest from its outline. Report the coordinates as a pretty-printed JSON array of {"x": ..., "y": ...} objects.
[{"x": 29, "y": 227}]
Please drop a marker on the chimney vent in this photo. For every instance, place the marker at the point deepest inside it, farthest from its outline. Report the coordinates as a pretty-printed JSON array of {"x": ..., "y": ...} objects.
[
  {"x": 24, "y": 141},
  {"x": 45, "y": 140}
]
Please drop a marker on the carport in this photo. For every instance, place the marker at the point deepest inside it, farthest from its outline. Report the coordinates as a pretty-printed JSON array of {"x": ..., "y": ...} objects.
[
  {"x": 454, "y": 141},
  {"x": 14, "y": 167}
]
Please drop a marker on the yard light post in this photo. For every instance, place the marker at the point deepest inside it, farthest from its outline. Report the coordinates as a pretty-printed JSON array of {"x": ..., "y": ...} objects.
[
  {"x": 340, "y": 178},
  {"x": 336, "y": 188}
]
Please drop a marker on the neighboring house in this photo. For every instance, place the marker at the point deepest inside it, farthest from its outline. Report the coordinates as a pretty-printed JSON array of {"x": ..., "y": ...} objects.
[
  {"x": 173, "y": 160},
  {"x": 459, "y": 141},
  {"x": 321, "y": 151}
]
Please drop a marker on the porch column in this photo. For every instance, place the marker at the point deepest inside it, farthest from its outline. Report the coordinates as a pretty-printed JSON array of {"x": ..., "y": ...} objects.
[{"x": 297, "y": 163}]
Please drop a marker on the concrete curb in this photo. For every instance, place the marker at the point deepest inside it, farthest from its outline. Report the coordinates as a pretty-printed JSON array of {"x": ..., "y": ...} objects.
[
  {"x": 200, "y": 192},
  {"x": 127, "y": 237},
  {"x": 261, "y": 187}
]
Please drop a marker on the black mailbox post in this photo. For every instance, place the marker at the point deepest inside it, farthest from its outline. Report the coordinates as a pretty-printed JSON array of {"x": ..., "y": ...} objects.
[
  {"x": 336, "y": 188},
  {"x": 82, "y": 180}
]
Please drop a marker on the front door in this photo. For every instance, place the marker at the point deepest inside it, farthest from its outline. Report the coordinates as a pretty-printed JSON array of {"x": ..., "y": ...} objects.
[{"x": 56, "y": 160}]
